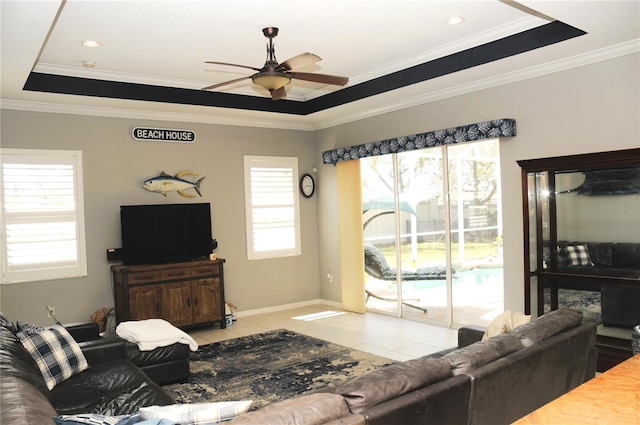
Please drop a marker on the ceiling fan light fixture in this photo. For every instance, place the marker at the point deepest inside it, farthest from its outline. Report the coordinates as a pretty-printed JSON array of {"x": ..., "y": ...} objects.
[
  {"x": 274, "y": 76},
  {"x": 271, "y": 81}
]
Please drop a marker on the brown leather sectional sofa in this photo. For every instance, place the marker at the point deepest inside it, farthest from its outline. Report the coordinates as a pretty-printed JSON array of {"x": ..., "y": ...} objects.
[{"x": 490, "y": 382}]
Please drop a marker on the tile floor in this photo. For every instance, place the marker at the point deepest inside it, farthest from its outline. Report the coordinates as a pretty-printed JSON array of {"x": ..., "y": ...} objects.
[{"x": 386, "y": 336}]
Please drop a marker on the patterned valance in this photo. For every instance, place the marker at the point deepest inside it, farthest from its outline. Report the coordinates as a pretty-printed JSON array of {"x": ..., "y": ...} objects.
[{"x": 467, "y": 133}]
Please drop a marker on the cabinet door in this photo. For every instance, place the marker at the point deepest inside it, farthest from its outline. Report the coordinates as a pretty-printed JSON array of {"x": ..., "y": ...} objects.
[
  {"x": 145, "y": 302},
  {"x": 176, "y": 303},
  {"x": 206, "y": 300}
]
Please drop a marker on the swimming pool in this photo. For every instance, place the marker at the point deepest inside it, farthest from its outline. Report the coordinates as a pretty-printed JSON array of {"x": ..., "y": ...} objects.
[{"x": 475, "y": 276}]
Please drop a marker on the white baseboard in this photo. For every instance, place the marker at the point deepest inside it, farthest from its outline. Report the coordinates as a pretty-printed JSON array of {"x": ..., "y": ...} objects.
[{"x": 288, "y": 307}]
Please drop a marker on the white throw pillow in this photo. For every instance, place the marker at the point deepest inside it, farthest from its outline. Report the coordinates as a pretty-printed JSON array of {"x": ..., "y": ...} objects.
[
  {"x": 518, "y": 319},
  {"x": 197, "y": 413},
  {"x": 499, "y": 325},
  {"x": 505, "y": 322}
]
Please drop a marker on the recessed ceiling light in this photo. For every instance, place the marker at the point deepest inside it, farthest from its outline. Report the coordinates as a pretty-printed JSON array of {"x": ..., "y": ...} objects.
[
  {"x": 454, "y": 20},
  {"x": 91, "y": 43},
  {"x": 89, "y": 64}
]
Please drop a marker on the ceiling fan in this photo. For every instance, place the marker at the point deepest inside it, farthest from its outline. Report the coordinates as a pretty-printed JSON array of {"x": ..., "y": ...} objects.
[{"x": 274, "y": 77}]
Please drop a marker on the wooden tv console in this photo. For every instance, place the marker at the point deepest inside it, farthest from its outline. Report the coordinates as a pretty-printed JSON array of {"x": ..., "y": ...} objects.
[{"x": 184, "y": 294}]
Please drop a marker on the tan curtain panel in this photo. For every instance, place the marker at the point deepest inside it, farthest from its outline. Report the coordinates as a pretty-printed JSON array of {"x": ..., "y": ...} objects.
[{"x": 350, "y": 218}]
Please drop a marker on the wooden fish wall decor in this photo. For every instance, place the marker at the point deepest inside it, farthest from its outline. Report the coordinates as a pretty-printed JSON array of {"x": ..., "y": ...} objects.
[{"x": 164, "y": 183}]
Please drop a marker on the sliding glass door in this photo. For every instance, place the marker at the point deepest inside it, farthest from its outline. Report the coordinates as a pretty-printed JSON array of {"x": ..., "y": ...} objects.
[
  {"x": 433, "y": 215},
  {"x": 476, "y": 231}
]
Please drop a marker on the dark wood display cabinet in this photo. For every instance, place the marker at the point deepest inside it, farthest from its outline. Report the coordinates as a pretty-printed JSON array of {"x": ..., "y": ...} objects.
[
  {"x": 184, "y": 294},
  {"x": 581, "y": 220}
]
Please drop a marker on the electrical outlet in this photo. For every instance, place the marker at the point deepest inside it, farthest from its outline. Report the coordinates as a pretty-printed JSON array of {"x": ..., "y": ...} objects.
[{"x": 51, "y": 312}]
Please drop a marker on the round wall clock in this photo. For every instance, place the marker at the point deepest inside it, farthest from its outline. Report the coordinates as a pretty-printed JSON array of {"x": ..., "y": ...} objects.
[{"x": 307, "y": 185}]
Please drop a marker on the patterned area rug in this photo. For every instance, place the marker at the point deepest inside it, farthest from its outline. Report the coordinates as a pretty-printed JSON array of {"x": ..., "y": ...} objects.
[
  {"x": 588, "y": 302},
  {"x": 269, "y": 367}
]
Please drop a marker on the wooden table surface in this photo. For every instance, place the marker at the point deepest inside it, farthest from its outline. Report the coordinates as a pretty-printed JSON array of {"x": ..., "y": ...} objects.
[{"x": 612, "y": 397}]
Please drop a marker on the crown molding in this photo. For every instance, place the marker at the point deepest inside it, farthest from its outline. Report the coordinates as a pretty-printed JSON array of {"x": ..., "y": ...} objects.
[
  {"x": 493, "y": 34},
  {"x": 209, "y": 116},
  {"x": 276, "y": 121},
  {"x": 123, "y": 77},
  {"x": 595, "y": 56}
]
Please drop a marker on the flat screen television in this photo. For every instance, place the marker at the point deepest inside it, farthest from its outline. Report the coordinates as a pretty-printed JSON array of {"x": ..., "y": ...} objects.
[{"x": 165, "y": 233}]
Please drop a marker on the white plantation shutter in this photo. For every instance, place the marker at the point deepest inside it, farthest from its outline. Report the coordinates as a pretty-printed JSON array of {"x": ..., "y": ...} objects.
[
  {"x": 42, "y": 215},
  {"x": 271, "y": 202}
]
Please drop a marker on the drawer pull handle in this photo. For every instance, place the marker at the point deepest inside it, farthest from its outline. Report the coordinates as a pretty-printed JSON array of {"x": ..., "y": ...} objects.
[
  {"x": 188, "y": 302},
  {"x": 195, "y": 301},
  {"x": 144, "y": 276},
  {"x": 158, "y": 306}
]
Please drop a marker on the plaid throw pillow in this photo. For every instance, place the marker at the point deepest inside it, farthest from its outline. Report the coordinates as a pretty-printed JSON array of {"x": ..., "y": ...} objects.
[
  {"x": 28, "y": 327},
  {"x": 575, "y": 255},
  {"x": 56, "y": 353}
]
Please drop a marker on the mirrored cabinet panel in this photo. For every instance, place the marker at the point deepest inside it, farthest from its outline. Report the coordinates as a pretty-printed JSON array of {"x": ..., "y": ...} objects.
[{"x": 582, "y": 238}]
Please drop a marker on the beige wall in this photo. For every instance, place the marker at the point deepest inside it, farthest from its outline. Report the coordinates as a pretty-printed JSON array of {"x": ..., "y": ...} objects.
[
  {"x": 613, "y": 218},
  {"x": 115, "y": 166},
  {"x": 587, "y": 109}
]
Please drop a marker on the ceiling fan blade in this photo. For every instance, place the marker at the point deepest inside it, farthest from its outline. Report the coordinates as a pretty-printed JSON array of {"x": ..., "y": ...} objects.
[
  {"x": 319, "y": 78},
  {"x": 299, "y": 61},
  {"x": 213, "y": 86},
  {"x": 232, "y": 64},
  {"x": 279, "y": 93}
]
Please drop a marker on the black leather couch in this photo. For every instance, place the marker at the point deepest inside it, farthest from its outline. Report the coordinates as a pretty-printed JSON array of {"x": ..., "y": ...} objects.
[
  {"x": 112, "y": 385},
  {"x": 619, "y": 298},
  {"x": 164, "y": 365},
  {"x": 610, "y": 259}
]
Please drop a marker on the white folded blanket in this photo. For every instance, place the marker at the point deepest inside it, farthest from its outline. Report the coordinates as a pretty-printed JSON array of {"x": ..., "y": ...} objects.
[{"x": 153, "y": 333}]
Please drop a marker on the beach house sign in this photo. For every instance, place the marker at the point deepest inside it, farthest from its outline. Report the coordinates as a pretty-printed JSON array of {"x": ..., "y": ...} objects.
[{"x": 163, "y": 135}]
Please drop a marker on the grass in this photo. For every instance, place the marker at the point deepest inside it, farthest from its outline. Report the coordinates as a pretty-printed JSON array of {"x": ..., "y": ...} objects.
[{"x": 433, "y": 253}]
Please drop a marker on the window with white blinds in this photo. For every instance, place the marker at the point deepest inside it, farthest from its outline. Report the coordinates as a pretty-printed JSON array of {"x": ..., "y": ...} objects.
[
  {"x": 42, "y": 215},
  {"x": 271, "y": 202}
]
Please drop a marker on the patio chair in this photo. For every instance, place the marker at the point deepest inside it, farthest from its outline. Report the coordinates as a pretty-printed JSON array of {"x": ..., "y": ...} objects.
[
  {"x": 384, "y": 294},
  {"x": 376, "y": 266}
]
